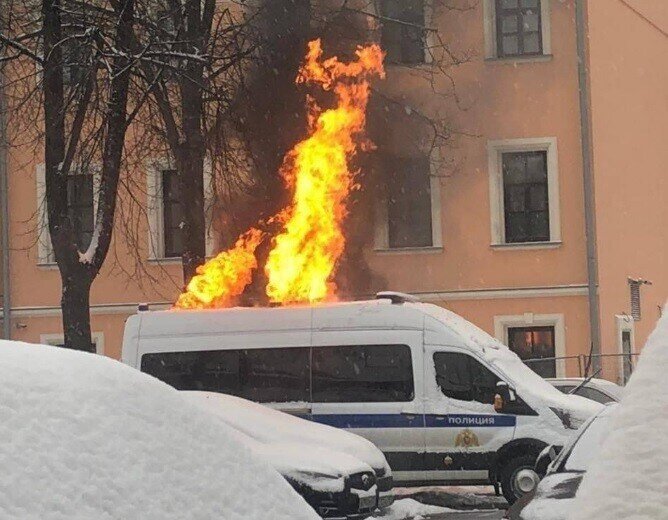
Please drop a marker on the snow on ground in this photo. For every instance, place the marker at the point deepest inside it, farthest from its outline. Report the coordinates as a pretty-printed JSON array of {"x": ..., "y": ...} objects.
[
  {"x": 407, "y": 508},
  {"x": 85, "y": 437},
  {"x": 628, "y": 478}
]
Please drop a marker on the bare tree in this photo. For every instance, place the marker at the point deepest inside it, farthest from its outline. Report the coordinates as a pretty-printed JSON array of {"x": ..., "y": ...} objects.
[{"x": 82, "y": 63}]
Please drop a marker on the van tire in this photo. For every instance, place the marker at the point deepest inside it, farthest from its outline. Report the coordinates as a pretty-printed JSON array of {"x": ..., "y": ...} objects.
[{"x": 508, "y": 472}]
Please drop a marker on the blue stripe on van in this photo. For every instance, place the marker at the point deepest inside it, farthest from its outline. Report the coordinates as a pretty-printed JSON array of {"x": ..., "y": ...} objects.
[{"x": 413, "y": 421}]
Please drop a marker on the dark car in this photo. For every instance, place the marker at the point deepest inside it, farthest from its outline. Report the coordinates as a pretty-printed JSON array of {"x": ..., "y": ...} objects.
[{"x": 555, "y": 493}]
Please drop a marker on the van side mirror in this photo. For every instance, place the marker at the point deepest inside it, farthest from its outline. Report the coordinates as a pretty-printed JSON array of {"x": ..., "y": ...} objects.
[{"x": 504, "y": 396}]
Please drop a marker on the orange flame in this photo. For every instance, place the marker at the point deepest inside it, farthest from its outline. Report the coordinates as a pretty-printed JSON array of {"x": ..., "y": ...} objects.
[
  {"x": 222, "y": 278},
  {"x": 303, "y": 259},
  {"x": 304, "y": 255}
]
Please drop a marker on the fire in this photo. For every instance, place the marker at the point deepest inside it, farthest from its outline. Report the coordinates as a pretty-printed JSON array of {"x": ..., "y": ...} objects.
[
  {"x": 304, "y": 256},
  {"x": 222, "y": 278}
]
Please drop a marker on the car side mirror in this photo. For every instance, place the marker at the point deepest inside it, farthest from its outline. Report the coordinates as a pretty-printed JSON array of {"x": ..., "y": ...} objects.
[{"x": 544, "y": 460}]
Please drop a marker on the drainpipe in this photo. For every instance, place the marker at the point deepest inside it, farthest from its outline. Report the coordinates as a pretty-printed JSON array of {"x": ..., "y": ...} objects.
[
  {"x": 4, "y": 216},
  {"x": 588, "y": 175}
]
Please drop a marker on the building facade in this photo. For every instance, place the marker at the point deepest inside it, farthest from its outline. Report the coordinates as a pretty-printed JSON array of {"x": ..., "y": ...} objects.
[{"x": 544, "y": 224}]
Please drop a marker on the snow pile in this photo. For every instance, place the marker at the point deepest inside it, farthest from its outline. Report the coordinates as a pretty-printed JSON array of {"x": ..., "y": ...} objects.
[
  {"x": 407, "y": 508},
  {"x": 85, "y": 437},
  {"x": 628, "y": 478}
]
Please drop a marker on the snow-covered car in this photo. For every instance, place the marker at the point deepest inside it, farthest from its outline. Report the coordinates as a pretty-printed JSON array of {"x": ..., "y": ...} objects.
[
  {"x": 339, "y": 473},
  {"x": 554, "y": 495},
  {"x": 599, "y": 390},
  {"x": 627, "y": 478},
  {"x": 85, "y": 437}
]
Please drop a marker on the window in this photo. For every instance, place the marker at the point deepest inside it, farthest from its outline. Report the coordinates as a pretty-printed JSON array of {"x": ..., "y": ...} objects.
[
  {"x": 362, "y": 374},
  {"x": 276, "y": 375},
  {"x": 409, "y": 211},
  {"x": 262, "y": 375},
  {"x": 402, "y": 31},
  {"x": 172, "y": 214},
  {"x": 81, "y": 203},
  {"x": 534, "y": 343},
  {"x": 518, "y": 28},
  {"x": 524, "y": 192},
  {"x": 525, "y": 197},
  {"x": 165, "y": 212},
  {"x": 81, "y": 208},
  {"x": 463, "y": 378},
  {"x": 58, "y": 340}
]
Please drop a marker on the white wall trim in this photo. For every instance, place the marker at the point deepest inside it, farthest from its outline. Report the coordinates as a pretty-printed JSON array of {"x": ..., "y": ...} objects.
[
  {"x": 495, "y": 149},
  {"x": 95, "y": 309},
  {"x": 58, "y": 339},
  {"x": 529, "y": 319},
  {"x": 504, "y": 293},
  {"x": 489, "y": 30}
]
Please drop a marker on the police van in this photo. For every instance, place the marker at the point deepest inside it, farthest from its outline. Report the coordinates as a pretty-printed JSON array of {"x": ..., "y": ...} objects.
[{"x": 443, "y": 400}]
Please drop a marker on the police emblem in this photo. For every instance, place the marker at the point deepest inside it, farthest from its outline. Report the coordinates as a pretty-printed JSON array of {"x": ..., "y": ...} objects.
[{"x": 466, "y": 439}]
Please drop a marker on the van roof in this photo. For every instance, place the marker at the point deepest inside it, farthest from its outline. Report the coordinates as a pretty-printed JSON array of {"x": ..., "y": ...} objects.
[{"x": 355, "y": 315}]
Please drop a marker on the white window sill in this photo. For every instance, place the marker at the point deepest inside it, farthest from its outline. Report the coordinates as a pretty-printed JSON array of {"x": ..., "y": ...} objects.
[
  {"x": 408, "y": 250},
  {"x": 513, "y": 60},
  {"x": 168, "y": 261},
  {"x": 528, "y": 245},
  {"x": 49, "y": 266}
]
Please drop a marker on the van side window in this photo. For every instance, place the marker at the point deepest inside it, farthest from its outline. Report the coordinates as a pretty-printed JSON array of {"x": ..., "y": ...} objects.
[
  {"x": 464, "y": 378},
  {"x": 214, "y": 370},
  {"x": 262, "y": 375},
  {"x": 362, "y": 374}
]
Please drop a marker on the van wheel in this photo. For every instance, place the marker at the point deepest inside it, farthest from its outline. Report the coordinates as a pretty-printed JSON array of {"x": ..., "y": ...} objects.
[{"x": 518, "y": 477}]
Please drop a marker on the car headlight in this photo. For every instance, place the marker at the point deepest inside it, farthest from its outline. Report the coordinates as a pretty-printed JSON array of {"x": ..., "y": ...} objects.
[{"x": 364, "y": 481}]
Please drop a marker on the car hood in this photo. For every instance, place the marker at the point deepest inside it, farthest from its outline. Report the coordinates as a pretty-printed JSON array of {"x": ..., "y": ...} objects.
[{"x": 272, "y": 427}]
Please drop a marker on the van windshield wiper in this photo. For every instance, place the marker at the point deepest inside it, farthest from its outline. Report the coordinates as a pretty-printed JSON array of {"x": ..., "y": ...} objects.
[{"x": 585, "y": 381}]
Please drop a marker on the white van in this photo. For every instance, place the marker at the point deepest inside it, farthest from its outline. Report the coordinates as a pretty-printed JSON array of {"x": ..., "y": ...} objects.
[{"x": 443, "y": 400}]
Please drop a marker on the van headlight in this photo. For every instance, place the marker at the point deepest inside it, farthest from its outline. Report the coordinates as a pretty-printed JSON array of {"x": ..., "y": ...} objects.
[{"x": 569, "y": 421}]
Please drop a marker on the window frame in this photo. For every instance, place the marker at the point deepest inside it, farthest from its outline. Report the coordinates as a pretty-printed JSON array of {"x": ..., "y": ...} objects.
[
  {"x": 624, "y": 323},
  {"x": 155, "y": 210},
  {"x": 534, "y": 329},
  {"x": 495, "y": 151},
  {"x": 56, "y": 339},
  {"x": 518, "y": 11},
  {"x": 427, "y": 39},
  {"x": 382, "y": 224},
  {"x": 505, "y": 322},
  {"x": 491, "y": 42},
  {"x": 45, "y": 253}
]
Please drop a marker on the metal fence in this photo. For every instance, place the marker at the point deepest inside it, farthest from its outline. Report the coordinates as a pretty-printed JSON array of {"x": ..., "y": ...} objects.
[{"x": 614, "y": 367}]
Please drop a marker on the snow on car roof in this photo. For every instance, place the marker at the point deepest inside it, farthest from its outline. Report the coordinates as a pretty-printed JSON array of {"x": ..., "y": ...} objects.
[
  {"x": 628, "y": 477},
  {"x": 85, "y": 437}
]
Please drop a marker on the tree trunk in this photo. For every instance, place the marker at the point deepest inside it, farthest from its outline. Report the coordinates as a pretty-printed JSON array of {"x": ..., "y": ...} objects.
[{"x": 75, "y": 303}]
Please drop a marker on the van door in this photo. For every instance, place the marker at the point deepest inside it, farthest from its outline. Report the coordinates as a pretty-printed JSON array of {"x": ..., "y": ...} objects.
[
  {"x": 463, "y": 432},
  {"x": 370, "y": 382}
]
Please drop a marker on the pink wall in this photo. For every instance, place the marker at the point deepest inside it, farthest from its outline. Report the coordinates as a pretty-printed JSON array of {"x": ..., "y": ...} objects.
[{"x": 628, "y": 66}]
